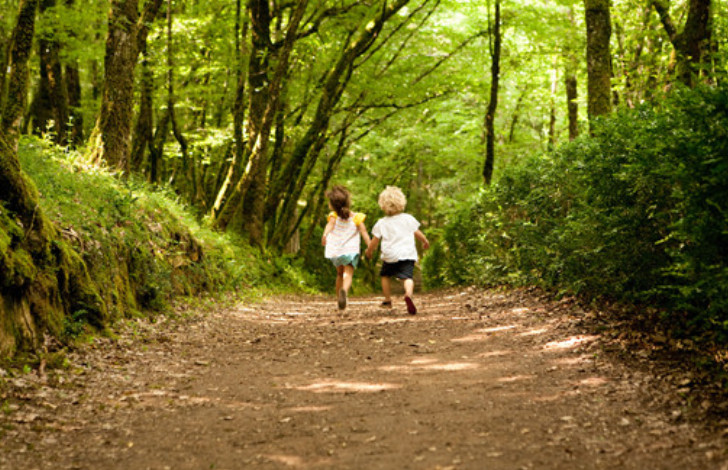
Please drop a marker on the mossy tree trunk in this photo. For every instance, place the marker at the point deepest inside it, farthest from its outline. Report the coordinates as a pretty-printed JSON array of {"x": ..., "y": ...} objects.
[
  {"x": 111, "y": 139},
  {"x": 4, "y": 57},
  {"x": 17, "y": 80},
  {"x": 598, "y": 58},
  {"x": 516, "y": 114},
  {"x": 40, "y": 278}
]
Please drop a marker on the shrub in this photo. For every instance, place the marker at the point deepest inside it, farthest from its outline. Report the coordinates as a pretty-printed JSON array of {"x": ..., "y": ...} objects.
[{"x": 637, "y": 212}]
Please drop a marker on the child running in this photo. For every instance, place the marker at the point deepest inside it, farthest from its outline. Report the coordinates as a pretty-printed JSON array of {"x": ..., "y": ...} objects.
[
  {"x": 342, "y": 239},
  {"x": 397, "y": 231}
]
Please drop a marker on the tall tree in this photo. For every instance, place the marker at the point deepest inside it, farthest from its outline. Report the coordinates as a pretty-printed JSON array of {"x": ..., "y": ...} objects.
[
  {"x": 112, "y": 135},
  {"x": 16, "y": 194},
  {"x": 598, "y": 57},
  {"x": 572, "y": 105},
  {"x": 73, "y": 91},
  {"x": 56, "y": 280},
  {"x": 247, "y": 199},
  {"x": 238, "y": 111},
  {"x": 51, "y": 103},
  {"x": 495, "y": 55},
  {"x": 188, "y": 168},
  {"x": 692, "y": 44},
  {"x": 17, "y": 86},
  {"x": 143, "y": 135},
  {"x": 570, "y": 81}
]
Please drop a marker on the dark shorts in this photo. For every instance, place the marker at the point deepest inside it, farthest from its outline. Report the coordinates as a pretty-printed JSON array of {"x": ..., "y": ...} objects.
[{"x": 402, "y": 269}]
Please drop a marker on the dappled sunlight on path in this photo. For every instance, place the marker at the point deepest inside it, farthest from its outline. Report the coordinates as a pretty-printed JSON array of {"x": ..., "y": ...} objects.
[{"x": 476, "y": 380}]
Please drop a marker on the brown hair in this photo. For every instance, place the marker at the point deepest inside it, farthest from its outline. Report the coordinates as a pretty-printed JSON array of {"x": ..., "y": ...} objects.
[{"x": 340, "y": 200}]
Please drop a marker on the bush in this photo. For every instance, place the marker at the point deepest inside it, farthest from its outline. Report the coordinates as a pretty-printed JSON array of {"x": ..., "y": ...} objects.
[{"x": 637, "y": 212}]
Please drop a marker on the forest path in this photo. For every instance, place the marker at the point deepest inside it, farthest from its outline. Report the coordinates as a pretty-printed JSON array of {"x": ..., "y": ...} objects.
[{"x": 477, "y": 380}]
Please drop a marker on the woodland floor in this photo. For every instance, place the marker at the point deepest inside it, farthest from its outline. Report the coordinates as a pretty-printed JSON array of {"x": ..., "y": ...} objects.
[{"x": 477, "y": 380}]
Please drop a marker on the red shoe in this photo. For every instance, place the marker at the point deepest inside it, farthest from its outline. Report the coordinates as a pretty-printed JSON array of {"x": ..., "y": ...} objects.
[{"x": 411, "y": 309}]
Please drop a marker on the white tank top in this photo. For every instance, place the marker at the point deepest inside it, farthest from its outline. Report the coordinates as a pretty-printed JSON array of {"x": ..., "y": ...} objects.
[{"x": 344, "y": 239}]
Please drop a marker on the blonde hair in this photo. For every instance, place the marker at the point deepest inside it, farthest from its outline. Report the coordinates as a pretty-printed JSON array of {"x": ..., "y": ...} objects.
[{"x": 392, "y": 200}]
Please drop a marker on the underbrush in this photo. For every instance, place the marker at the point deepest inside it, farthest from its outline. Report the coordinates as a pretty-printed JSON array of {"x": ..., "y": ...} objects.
[
  {"x": 141, "y": 248},
  {"x": 638, "y": 212}
]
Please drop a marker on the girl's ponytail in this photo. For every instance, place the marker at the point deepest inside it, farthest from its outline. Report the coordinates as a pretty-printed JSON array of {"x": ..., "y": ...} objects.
[{"x": 340, "y": 200}]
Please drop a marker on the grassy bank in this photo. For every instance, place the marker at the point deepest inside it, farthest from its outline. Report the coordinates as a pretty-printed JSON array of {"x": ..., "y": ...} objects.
[{"x": 141, "y": 249}]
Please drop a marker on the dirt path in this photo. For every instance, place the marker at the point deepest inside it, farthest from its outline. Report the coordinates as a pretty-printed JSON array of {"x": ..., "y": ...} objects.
[{"x": 475, "y": 381}]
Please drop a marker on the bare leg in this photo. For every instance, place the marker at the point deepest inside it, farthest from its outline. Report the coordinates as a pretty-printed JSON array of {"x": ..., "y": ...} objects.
[
  {"x": 339, "y": 278},
  {"x": 341, "y": 284},
  {"x": 347, "y": 277},
  {"x": 386, "y": 289},
  {"x": 409, "y": 287}
]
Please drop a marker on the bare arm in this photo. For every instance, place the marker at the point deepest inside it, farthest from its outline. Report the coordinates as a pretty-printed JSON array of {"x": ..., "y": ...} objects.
[
  {"x": 364, "y": 234},
  {"x": 373, "y": 244},
  {"x": 421, "y": 237},
  {"x": 327, "y": 230}
]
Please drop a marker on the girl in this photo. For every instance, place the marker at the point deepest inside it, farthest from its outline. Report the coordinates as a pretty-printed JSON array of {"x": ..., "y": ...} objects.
[{"x": 342, "y": 239}]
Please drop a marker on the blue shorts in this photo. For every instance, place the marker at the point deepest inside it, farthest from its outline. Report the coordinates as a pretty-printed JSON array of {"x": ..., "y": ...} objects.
[
  {"x": 345, "y": 260},
  {"x": 402, "y": 269}
]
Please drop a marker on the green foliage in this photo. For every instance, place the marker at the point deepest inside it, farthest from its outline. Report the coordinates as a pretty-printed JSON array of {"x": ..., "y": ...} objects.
[
  {"x": 140, "y": 247},
  {"x": 637, "y": 212}
]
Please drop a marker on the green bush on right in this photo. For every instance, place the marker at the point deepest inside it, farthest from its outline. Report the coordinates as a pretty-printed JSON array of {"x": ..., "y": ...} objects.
[{"x": 636, "y": 212}]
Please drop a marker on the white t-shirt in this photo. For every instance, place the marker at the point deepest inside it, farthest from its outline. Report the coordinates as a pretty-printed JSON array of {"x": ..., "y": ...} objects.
[{"x": 397, "y": 233}]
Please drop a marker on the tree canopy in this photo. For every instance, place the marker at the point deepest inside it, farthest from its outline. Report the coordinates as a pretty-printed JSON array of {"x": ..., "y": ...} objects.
[{"x": 249, "y": 110}]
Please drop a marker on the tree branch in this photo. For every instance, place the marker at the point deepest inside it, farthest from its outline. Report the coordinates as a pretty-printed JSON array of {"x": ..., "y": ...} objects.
[
  {"x": 661, "y": 8},
  {"x": 452, "y": 54}
]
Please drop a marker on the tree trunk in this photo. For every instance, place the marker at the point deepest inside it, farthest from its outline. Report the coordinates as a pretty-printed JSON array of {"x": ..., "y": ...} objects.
[
  {"x": 4, "y": 57},
  {"x": 111, "y": 141},
  {"x": 692, "y": 44},
  {"x": 285, "y": 230},
  {"x": 516, "y": 115},
  {"x": 254, "y": 201},
  {"x": 599, "y": 63},
  {"x": 51, "y": 107},
  {"x": 73, "y": 92},
  {"x": 495, "y": 55},
  {"x": 23, "y": 315},
  {"x": 552, "y": 106},
  {"x": 73, "y": 87},
  {"x": 144, "y": 128},
  {"x": 572, "y": 105},
  {"x": 189, "y": 182},
  {"x": 238, "y": 115},
  {"x": 20, "y": 48},
  {"x": 156, "y": 149},
  {"x": 264, "y": 101}
]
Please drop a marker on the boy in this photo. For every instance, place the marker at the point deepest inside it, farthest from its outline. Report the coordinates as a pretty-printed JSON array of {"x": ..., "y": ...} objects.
[{"x": 397, "y": 232}]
